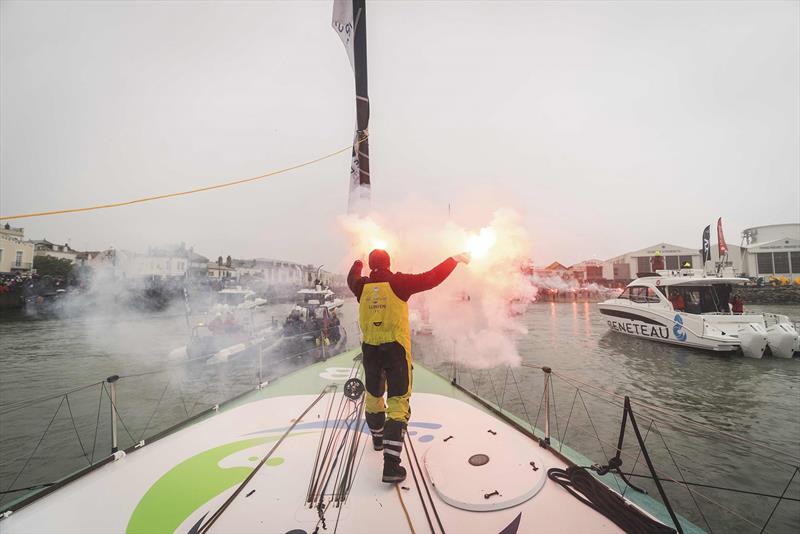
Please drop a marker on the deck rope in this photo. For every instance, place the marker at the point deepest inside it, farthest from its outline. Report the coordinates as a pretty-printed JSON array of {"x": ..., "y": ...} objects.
[
  {"x": 180, "y": 193},
  {"x": 405, "y": 510}
]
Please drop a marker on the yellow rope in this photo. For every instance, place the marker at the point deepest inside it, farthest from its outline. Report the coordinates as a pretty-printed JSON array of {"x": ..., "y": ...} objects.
[
  {"x": 405, "y": 511},
  {"x": 180, "y": 193}
]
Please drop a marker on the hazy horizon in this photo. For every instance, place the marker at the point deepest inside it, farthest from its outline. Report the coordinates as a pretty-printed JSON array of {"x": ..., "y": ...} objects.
[{"x": 609, "y": 126}]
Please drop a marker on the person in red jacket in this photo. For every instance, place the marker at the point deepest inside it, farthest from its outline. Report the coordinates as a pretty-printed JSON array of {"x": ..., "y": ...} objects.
[
  {"x": 386, "y": 348},
  {"x": 737, "y": 304}
]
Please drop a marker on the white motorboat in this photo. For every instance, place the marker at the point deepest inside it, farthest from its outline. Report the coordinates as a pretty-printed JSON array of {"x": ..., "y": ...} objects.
[{"x": 690, "y": 308}]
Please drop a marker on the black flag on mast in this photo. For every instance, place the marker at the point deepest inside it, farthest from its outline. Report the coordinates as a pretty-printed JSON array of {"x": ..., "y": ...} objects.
[
  {"x": 706, "y": 244},
  {"x": 350, "y": 23}
]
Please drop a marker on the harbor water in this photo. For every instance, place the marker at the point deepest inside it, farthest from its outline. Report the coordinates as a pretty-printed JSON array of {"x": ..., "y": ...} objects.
[{"x": 756, "y": 400}]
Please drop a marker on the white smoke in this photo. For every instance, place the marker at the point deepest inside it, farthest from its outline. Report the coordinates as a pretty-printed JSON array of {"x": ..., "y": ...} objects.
[{"x": 473, "y": 314}]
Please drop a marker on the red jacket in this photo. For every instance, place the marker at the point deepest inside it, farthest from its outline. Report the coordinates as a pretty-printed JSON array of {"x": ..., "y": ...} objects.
[{"x": 403, "y": 285}]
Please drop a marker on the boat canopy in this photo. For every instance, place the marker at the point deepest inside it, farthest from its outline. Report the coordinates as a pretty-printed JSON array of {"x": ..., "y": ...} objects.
[{"x": 687, "y": 281}]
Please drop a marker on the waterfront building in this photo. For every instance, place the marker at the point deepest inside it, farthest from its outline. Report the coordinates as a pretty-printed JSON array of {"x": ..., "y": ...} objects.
[
  {"x": 123, "y": 264},
  {"x": 217, "y": 271},
  {"x": 16, "y": 254},
  {"x": 43, "y": 247},
  {"x": 625, "y": 266},
  {"x": 587, "y": 271},
  {"x": 772, "y": 250}
]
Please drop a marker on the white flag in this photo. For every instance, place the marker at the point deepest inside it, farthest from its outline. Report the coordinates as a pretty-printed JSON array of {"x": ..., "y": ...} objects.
[{"x": 342, "y": 23}]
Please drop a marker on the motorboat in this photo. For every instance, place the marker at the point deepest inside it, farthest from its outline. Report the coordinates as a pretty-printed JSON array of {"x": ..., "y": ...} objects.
[{"x": 690, "y": 308}]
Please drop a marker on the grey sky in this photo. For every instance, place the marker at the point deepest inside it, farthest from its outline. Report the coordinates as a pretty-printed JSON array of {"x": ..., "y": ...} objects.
[{"x": 609, "y": 126}]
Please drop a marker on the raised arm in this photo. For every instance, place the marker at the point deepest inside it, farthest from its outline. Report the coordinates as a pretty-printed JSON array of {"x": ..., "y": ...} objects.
[
  {"x": 408, "y": 284},
  {"x": 354, "y": 279}
]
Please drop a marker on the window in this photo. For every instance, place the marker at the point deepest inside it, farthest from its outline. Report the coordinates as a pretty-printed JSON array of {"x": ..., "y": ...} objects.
[
  {"x": 673, "y": 263},
  {"x": 1, "y": 256},
  {"x": 684, "y": 260},
  {"x": 652, "y": 296},
  {"x": 595, "y": 272},
  {"x": 795, "y": 256},
  {"x": 625, "y": 294},
  {"x": 639, "y": 294},
  {"x": 764, "y": 263},
  {"x": 781, "y": 260},
  {"x": 642, "y": 264},
  {"x": 18, "y": 259}
]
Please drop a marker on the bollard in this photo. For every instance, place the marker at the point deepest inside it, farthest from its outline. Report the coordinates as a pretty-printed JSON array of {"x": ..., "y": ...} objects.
[
  {"x": 112, "y": 380},
  {"x": 547, "y": 371}
]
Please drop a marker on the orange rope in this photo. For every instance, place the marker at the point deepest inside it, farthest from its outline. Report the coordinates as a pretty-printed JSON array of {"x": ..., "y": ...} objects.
[
  {"x": 180, "y": 193},
  {"x": 405, "y": 511}
]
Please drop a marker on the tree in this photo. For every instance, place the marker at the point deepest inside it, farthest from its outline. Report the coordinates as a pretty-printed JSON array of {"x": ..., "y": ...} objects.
[{"x": 50, "y": 266}]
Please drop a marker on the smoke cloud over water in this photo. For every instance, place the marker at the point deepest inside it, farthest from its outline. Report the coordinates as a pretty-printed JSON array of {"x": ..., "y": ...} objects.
[{"x": 473, "y": 314}]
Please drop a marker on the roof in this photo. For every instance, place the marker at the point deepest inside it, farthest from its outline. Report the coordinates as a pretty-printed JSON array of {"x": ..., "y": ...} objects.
[
  {"x": 555, "y": 266},
  {"x": 686, "y": 281},
  {"x": 792, "y": 242}
]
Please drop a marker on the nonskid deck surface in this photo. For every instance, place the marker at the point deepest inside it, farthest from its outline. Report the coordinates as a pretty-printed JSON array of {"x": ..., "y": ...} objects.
[{"x": 177, "y": 483}]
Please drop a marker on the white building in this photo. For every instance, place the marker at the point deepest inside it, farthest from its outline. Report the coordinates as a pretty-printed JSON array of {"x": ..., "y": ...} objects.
[
  {"x": 625, "y": 266},
  {"x": 16, "y": 254},
  {"x": 772, "y": 250},
  {"x": 43, "y": 247},
  {"x": 129, "y": 265}
]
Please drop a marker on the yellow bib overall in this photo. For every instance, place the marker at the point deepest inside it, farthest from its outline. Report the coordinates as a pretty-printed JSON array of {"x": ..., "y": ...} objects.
[{"x": 383, "y": 318}]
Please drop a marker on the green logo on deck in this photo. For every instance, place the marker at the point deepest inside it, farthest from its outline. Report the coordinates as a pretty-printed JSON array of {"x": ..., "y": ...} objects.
[{"x": 191, "y": 484}]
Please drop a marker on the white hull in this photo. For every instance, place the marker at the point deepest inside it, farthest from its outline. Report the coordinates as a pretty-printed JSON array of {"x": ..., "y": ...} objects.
[{"x": 658, "y": 326}]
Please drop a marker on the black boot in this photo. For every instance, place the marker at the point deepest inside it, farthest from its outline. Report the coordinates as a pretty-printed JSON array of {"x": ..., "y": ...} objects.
[
  {"x": 375, "y": 422},
  {"x": 393, "y": 472},
  {"x": 393, "y": 434}
]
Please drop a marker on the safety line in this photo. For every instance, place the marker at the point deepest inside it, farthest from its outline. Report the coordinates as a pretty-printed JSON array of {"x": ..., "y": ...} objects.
[
  {"x": 179, "y": 193},
  {"x": 405, "y": 510}
]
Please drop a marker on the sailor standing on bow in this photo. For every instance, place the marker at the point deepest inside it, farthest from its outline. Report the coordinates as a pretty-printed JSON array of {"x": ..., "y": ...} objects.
[{"x": 383, "y": 317}]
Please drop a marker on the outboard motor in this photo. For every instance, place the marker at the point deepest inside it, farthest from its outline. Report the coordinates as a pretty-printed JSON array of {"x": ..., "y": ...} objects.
[
  {"x": 783, "y": 340},
  {"x": 753, "y": 340}
]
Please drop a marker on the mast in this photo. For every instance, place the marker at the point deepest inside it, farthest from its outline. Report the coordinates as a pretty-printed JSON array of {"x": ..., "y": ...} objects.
[{"x": 350, "y": 23}]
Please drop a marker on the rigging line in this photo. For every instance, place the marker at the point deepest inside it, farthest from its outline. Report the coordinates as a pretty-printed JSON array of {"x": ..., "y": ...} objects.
[
  {"x": 639, "y": 453},
  {"x": 505, "y": 385},
  {"x": 539, "y": 411},
  {"x": 75, "y": 426},
  {"x": 37, "y": 446},
  {"x": 683, "y": 479},
  {"x": 496, "y": 399},
  {"x": 97, "y": 424},
  {"x": 555, "y": 409},
  {"x": 358, "y": 465},
  {"x": 183, "y": 401},
  {"x": 158, "y": 404},
  {"x": 180, "y": 193},
  {"x": 121, "y": 420},
  {"x": 405, "y": 510},
  {"x": 419, "y": 491},
  {"x": 736, "y": 440},
  {"x": 327, "y": 473},
  {"x": 522, "y": 400},
  {"x": 204, "y": 528},
  {"x": 721, "y": 488},
  {"x": 425, "y": 484},
  {"x": 319, "y": 449},
  {"x": 327, "y": 456},
  {"x": 333, "y": 466},
  {"x": 662, "y": 411},
  {"x": 596, "y": 435},
  {"x": 569, "y": 417},
  {"x": 13, "y": 406},
  {"x": 764, "y": 528}
]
